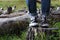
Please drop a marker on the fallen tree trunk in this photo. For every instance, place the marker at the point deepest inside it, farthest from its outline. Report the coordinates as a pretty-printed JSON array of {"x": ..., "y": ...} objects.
[{"x": 13, "y": 23}]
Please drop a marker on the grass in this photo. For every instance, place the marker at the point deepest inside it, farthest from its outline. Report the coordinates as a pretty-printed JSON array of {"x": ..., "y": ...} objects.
[
  {"x": 55, "y": 3},
  {"x": 14, "y": 36},
  {"x": 20, "y": 5}
]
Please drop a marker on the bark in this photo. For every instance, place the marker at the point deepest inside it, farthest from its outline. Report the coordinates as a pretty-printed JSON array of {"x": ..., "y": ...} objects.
[{"x": 12, "y": 23}]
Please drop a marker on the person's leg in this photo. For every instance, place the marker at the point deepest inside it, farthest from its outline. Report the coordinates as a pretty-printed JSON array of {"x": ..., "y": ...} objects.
[
  {"x": 32, "y": 7},
  {"x": 45, "y": 5},
  {"x": 32, "y": 11}
]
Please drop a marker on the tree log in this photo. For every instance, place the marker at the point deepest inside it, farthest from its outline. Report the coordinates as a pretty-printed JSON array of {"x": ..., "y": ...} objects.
[{"x": 12, "y": 23}]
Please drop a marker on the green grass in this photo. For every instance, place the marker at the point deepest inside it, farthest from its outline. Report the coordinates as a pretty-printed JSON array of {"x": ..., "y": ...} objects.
[
  {"x": 20, "y": 4},
  {"x": 55, "y": 3},
  {"x": 14, "y": 36}
]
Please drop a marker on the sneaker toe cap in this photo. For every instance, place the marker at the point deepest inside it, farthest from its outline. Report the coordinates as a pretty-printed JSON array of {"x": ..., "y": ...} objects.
[
  {"x": 45, "y": 25},
  {"x": 33, "y": 24}
]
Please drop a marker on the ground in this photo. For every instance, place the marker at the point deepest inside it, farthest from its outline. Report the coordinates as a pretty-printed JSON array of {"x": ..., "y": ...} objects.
[{"x": 20, "y": 5}]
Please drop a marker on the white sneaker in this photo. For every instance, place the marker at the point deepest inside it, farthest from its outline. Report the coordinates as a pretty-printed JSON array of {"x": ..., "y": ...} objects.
[
  {"x": 33, "y": 24},
  {"x": 33, "y": 21},
  {"x": 44, "y": 22}
]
